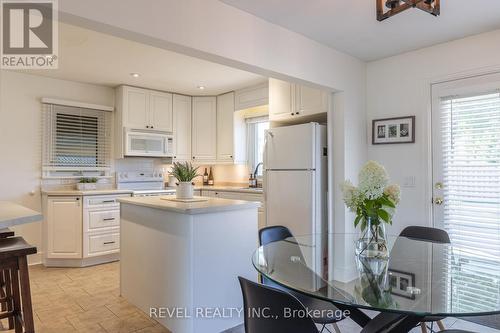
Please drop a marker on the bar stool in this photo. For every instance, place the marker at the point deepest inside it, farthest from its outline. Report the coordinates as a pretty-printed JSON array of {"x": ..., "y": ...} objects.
[
  {"x": 4, "y": 233},
  {"x": 14, "y": 265}
]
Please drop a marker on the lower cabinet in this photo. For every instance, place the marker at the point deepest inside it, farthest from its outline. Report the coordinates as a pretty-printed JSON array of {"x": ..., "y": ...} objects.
[
  {"x": 85, "y": 229},
  {"x": 64, "y": 227}
]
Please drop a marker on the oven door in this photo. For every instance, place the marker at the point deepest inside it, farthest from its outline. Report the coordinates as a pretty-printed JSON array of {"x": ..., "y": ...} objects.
[{"x": 148, "y": 144}]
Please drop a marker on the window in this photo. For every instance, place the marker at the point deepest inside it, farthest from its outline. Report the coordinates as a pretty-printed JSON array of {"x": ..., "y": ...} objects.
[
  {"x": 470, "y": 139},
  {"x": 76, "y": 141},
  {"x": 256, "y": 142}
]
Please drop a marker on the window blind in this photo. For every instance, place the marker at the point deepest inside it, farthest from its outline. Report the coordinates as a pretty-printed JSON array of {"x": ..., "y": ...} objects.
[
  {"x": 75, "y": 139},
  {"x": 470, "y": 133}
]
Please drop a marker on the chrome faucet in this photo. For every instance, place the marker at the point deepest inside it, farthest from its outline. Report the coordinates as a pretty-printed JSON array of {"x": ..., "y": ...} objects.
[{"x": 256, "y": 169}]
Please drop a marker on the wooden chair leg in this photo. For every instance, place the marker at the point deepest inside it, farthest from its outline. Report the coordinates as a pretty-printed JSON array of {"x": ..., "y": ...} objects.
[
  {"x": 423, "y": 327},
  {"x": 440, "y": 325},
  {"x": 18, "y": 325},
  {"x": 3, "y": 306},
  {"x": 8, "y": 294},
  {"x": 29, "y": 326}
]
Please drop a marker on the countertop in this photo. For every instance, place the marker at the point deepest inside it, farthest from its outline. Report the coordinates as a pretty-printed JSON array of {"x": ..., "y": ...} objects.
[
  {"x": 212, "y": 205},
  {"x": 230, "y": 188},
  {"x": 12, "y": 214},
  {"x": 91, "y": 192}
]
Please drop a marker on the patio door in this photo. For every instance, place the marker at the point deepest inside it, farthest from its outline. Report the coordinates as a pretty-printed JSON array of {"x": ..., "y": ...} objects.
[{"x": 466, "y": 183}]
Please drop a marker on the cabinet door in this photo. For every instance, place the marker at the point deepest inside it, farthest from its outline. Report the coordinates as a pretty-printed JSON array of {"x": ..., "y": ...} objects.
[
  {"x": 310, "y": 101},
  {"x": 251, "y": 97},
  {"x": 64, "y": 228},
  {"x": 225, "y": 127},
  {"x": 135, "y": 108},
  {"x": 160, "y": 111},
  {"x": 204, "y": 128},
  {"x": 280, "y": 100},
  {"x": 182, "y": 127}
]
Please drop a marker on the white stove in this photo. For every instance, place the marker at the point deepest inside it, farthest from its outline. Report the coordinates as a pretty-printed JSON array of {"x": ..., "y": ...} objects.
[{"x": 143, "y": 183}]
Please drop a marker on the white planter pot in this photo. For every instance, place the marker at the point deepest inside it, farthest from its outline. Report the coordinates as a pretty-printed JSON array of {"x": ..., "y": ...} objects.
[
  {"x": 185, "y": 190},
  {"x": 86, "y": 186}
]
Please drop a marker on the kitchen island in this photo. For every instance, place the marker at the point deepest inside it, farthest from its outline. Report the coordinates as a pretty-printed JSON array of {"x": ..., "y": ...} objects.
[{"x": 180, "y": 261}]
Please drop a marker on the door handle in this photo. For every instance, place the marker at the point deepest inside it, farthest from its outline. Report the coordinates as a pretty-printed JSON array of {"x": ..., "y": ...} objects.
[{"x": 439, "y": 201}]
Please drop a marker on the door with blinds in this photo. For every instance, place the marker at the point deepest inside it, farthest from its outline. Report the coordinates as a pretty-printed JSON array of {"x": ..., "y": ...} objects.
[{"x": 466, "y": 185}]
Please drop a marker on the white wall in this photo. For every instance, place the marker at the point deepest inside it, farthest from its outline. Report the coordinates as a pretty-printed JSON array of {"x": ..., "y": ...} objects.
[
  {"x": 212, "y": 30},
  {"x": 400, "y": 86},
  {"x": 20, "y": 136}
]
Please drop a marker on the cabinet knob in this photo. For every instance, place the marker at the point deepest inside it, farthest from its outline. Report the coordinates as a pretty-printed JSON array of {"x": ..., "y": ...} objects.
[
  {"x": 297, "y": 112},
  {"x": 147, "y": 126},
  {"x": 230, "y": 156},
  {"x": 193, "y": 157},
  {"x": 292, "y": 113},
  {"x": 153, "y": 126},
  {"x": 175, "y": 156}
]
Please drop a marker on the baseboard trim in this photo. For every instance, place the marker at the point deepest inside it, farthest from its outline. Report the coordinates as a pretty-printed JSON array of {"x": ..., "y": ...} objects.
[{"x": 85, "y": 262}]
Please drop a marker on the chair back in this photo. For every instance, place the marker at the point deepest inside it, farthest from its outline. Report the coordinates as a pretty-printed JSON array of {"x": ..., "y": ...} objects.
[
  {"x": 273, "y": 234},
  {"x": 266, "y": 309},
  {"x": 426, "y": 234}
]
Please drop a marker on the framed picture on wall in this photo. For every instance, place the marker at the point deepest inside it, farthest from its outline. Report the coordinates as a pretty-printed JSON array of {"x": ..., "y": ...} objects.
[
  {"x": 393, "y": 130},
  {"x": 402, "y": 283}
]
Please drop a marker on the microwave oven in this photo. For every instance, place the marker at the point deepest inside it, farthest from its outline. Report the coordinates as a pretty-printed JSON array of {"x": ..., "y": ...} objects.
[{"x": 148, "y": 143}]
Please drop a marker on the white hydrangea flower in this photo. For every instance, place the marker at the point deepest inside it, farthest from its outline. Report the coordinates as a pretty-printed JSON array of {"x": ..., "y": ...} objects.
[
  {"x": 393, "y": 192},
  {"x": 350, "y": 195},
  {"x": 372, "y": 180}
]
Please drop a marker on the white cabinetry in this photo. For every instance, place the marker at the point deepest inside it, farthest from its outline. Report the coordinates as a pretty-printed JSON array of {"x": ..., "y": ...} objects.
[
  {"x": 252, "y": 97},
  {"x": 64, "y": 227},
  {"x": 231, "y": 131},
  {"x": 138, "y": 108},
  {"x": 182, "y": 127},
  {"x": 204, "y": 135},
  {"x": 81, "y": 231},
  {"x": 291, "y": 102}
]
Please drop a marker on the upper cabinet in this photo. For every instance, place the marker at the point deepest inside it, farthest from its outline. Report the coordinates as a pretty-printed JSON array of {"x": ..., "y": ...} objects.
[
  {"x": 290, "y": 102},
  {"x": 204, "y": 135},
  {"x": 231, "y": 131},
  {"x": 144, "y": 109},
  {"x": 251, "y": 97},
  {"x": 182, "y": 127}
]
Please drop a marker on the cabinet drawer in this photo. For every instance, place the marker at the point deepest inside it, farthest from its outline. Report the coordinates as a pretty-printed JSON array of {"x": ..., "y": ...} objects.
[
  {"x": 104, "y": 219},
  {"x": 104, "y": 243}
]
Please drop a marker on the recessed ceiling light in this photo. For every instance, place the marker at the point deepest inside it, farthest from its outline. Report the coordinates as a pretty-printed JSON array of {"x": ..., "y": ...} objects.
[
  {"x": 201, "y": 87},
  {"x": 135, "y": 74}
]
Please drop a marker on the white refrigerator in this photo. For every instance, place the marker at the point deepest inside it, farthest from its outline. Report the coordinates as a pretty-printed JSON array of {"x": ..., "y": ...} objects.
[{"x": 295, "y": 180}]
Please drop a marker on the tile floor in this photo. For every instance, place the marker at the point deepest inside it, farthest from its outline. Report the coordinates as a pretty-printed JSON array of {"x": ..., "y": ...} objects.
[{"x": 67, "y": 300}]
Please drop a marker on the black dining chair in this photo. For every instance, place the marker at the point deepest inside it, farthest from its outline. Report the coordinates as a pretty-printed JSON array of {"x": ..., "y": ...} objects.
[
  {"x": 433, "y": 235},
  {"x": 277, "y": 233},
  {"x": 266, "y": 310}
]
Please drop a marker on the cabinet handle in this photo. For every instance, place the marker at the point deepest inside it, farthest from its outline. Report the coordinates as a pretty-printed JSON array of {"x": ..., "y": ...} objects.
[
  {"x": 108, "y": 201},
  {"x": 109, "y": 219},
  {"x": 107, "y": 243}
]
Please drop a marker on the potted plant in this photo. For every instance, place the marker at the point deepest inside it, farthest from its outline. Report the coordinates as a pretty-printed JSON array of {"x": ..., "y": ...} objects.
[
  {"x": 374, "y": 202},
  {"x": 86, "y": 184},
  {"x": 185, "y": 174}
]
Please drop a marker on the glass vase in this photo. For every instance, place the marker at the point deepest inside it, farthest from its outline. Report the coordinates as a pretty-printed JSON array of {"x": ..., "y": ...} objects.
[{"x": 372, "y": 242}]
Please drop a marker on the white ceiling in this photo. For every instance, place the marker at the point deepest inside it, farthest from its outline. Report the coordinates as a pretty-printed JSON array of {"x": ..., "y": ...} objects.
[
  {"x": 92, "y": 57},
  {"x": 351, "y": 26}
]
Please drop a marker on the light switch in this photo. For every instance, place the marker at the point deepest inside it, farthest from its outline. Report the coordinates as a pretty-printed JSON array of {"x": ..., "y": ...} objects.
[{"x": 409, "y": 181}]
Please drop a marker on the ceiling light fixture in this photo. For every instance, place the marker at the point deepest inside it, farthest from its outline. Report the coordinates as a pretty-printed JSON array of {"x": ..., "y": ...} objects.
[
  {"x": 397, "y": 6},
  {"x": 201, "y": 87},
  {"x": 135, "y": 74}
]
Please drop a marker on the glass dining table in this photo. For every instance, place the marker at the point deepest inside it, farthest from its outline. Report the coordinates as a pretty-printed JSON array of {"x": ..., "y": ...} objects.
[{"x": 418, "y": 280}]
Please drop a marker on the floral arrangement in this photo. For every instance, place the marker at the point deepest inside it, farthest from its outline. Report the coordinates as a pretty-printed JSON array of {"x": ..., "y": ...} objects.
[
  {"x": 374, "y": 198},
  {"x": 88, "y": 180}
]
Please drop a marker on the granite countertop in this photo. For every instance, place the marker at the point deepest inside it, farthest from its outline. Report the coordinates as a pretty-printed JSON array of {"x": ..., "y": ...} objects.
[
  {"x": 230, "y": 188},
  {"x": 211, "y": 205},
  {"x": 12, "y": 214},
  {"x": 90, "y": 192}
]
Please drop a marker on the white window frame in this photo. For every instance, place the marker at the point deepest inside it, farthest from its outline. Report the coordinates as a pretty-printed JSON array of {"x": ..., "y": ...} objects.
[{"x": 252, "y": 143}]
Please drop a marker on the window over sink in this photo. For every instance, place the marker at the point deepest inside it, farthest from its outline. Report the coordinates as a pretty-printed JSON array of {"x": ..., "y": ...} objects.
[{"x": 256, "y": 142}]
